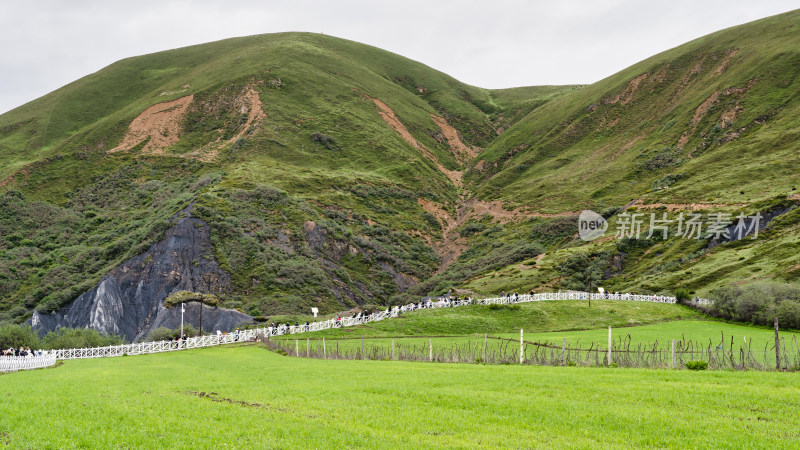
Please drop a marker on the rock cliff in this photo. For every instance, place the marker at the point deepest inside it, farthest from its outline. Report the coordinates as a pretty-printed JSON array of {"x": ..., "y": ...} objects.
[{"x": 128, "y": 301}]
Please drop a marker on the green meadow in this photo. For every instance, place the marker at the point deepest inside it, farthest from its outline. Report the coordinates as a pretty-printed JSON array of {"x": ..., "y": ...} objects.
[
  {"x": 250, "y": 396},
  {"x": 634, "y": 325}
]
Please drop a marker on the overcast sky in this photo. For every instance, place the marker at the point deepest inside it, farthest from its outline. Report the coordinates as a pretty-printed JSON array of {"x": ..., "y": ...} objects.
[{"x": 494, "y": 44}]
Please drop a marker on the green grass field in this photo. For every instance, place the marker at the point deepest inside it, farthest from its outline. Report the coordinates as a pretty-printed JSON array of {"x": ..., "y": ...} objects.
[
  {"x": 249, "y": 396},
  {"x": 533, "y": 317},
  {"x": 651, "y": 325}
]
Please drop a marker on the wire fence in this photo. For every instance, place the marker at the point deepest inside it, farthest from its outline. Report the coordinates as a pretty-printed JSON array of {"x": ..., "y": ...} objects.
[{"x": 498, "y": 350}]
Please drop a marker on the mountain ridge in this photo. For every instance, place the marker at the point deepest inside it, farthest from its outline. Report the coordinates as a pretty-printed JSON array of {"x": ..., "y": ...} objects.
[{"x": 336, "y": 175}]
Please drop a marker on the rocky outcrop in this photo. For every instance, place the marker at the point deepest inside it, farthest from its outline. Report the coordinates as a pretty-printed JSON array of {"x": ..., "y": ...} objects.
[{"x": 128, "y": 301}]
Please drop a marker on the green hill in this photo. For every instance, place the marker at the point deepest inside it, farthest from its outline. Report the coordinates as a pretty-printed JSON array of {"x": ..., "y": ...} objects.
[
  {"x": 720, "y": 111},
  {"x": 335, "y": 174}
]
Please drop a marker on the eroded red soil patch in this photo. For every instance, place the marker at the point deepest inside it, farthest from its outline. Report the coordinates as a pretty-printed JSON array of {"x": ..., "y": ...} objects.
[{"x": 161, "y": 123}]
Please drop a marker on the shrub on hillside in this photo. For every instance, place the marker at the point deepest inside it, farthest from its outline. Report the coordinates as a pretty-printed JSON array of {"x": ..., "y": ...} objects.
[
  {"x": 164, "y": 333},
  {"x": 432, "y": 221},
  {"x": 78, "y": 338},
  {"x": 682, "y": 295},
  {"x": 758, "y": 303},
  {"x": 582, "y": 271},
  {"x": 552, "y": 231},
  {"x": 324, "y": 140},
  {"x": 17, "y": 336},
  {"x": 472, "y": 228}
]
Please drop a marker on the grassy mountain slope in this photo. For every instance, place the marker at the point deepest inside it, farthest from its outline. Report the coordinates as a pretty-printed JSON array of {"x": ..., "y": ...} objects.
[
  {"x": 292, "y": 146},
  {"x": 707, "y": 127},
  {"x": 336, "y": 174},
  {"x": 727, "y": 101}
]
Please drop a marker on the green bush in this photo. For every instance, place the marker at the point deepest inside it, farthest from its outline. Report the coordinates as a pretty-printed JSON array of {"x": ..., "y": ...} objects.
[
  {"x": 553, "y": 231},
  {"x": 431, "y": 220},
  {"x": 324, "y": 140},
  {"x": 582, "y": 271},
  {"x": 472, "y": 228},
  {"x": 17, "y": 336},
  {"x": 682, "y": 295},
  {"x": 697, "y": 365},
  {"x": 164, "y": 333},
  {"x": 78, "y": 338},
  {"x": 758, "y": 303},
  {"x": 176, "y": 298}
]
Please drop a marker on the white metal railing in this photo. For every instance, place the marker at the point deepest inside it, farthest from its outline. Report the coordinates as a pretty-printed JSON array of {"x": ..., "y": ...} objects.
[
  {"x": 14, "y": 363},
  {"x": 360, "y": 319}
]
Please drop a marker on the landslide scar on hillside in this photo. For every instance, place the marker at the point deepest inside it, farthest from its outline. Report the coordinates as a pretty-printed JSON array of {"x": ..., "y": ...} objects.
[
  {"x": 627, "y": 94},
  {"x": 249, "y": 103},
  {"x": 160, "y": 122},
  {"x": 388, "y": 116},
  {"x": 461, "y": 151},
  {"x": 161, "y": 126},
  {"x": 452, "y": 244}
]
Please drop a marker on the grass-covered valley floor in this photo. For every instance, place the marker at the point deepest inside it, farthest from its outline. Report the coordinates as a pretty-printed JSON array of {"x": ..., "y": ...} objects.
[{"x": 249, "y": 396}]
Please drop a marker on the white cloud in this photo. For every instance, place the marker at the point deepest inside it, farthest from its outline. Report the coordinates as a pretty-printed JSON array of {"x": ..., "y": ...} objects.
[{"x": 504, "y": 43}]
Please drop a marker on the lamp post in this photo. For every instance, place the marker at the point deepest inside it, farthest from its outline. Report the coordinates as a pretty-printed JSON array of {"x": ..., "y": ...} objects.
[{"x": 183, "y": 309}]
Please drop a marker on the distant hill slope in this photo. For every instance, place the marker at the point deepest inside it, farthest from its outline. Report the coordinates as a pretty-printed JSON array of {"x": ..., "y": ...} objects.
[
  {"x": 334, "y": 174},
  {"x": 709, "y": 119}
]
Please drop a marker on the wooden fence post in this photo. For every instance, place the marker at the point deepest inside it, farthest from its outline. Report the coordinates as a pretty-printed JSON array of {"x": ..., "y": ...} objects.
[
  {"x": 777, "y": 347},
  {"x": 673, "y": 353},
  {"x": 609, "y": 346},
  {"x": 484, "y": 346},
  {"x": 563, "y": 350},
  {"x": 308, "y": 347},
  {"x": 324, "y": 350},
  {"x": 296, "y": 348},
  {"x": 430, "y": 349},
  {"x": 521, "y": 348}
]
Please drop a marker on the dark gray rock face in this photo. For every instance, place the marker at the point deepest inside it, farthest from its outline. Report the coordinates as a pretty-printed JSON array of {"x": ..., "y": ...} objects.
[{"x": 129, "y": 300}]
